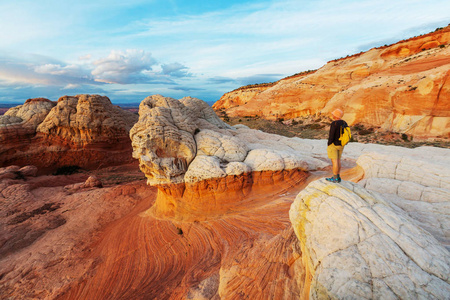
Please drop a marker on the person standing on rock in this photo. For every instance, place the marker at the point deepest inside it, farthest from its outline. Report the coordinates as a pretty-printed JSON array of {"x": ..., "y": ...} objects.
[{"x": 335, "y": 147}]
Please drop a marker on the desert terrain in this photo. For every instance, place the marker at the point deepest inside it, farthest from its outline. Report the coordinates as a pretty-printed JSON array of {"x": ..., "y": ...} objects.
[
  {"x": 207, "y": 210},
  {"x": 185, "y": 201}
]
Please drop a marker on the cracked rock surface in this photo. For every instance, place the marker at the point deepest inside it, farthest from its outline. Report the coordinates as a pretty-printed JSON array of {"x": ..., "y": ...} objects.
[
  {"x": 419, "y": 183},
  {"x": 359, "y": 245}
]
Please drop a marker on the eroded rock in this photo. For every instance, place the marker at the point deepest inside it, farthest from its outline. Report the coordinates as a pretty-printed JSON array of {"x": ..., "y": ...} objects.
[
  {"x": 359, "y": 245},
  {"x": 84, "y": 130},
  {"x": 184, "y": 141},
  {"x": 204, "y": 167}
]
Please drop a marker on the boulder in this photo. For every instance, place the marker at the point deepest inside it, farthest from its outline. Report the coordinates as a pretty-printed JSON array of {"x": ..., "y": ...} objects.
[
  {"x": 29, "y": 171},
  {"x": 91, "y": 182}
]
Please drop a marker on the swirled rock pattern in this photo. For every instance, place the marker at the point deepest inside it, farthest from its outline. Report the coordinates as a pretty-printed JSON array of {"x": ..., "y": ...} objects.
[
  {"x": 108, "y": 244},
  {"x": 48, "y": 231},
  {"x": 403, "y": 87},
  {"x": 359, "y": 245},
  {"x": 82, "y": 130}
]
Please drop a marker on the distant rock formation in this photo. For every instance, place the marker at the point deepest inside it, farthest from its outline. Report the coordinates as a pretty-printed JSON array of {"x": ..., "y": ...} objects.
[
  {"x": 82, "y": 130},
  {"x": 404, "y": 87}
]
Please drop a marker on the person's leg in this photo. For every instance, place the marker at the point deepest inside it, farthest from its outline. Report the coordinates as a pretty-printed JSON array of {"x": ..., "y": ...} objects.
[
  {"x": 336, "y": 166},
  {"x": 340, "y": 150},
  {"x": 333, "y": 154}
]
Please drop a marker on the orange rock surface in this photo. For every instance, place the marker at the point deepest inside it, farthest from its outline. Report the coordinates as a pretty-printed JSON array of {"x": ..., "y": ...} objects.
[
  {"x": 403, "y": 87},
  {"x": 107, "y": 243},
  {"x": 237, "y": 249},
  {"x": 84, "y": 130}
]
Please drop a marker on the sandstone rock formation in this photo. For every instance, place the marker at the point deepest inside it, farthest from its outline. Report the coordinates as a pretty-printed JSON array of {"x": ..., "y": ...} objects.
[
  {"x": 174, "y": 144},
  {"x": 83, "y": 130},
  {"x": 91, "y": 182},
  {"x": 217, "y": 224},
  {"x": 16, "y": 172},
  {"x": 357, "y": 244},
  {"x": 189, "y": 153},
  {"x": 403, "y": 87}
]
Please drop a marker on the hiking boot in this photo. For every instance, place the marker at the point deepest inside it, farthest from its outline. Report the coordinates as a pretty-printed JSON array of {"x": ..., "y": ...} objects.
[{"x": 333, "y": 179}]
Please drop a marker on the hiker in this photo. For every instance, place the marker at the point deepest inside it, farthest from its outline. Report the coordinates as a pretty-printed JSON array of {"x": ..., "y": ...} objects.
[{"x": 335, "y": 147}]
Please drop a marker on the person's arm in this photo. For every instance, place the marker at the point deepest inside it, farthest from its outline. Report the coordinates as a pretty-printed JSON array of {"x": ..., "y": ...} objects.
[{"x": 332, "y": 133}]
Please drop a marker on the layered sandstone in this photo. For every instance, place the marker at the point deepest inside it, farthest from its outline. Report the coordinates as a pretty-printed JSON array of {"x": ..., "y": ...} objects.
[
  {"x": 402, "y": 88},
  {"x": 200, "y": 163},
  {"x": 82, "y": 130},
  {"x": 48, "y": 228}
]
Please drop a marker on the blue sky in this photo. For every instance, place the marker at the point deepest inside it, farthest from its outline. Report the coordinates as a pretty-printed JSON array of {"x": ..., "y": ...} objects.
[{"x": 130, "y": 49}]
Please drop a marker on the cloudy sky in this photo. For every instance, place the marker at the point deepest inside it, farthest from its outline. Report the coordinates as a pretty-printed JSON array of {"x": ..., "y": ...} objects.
[{"x": 130, "y": 49}]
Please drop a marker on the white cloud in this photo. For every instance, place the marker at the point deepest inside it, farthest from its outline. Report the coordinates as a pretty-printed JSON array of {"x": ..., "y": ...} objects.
[
  {"x": 55, "y": 69},
  {"x": 41, "y": 70},
  {"x": 71, "y": 86},
  {"x": 175, "y": 69},
  {"x": 123, "y": 66}
]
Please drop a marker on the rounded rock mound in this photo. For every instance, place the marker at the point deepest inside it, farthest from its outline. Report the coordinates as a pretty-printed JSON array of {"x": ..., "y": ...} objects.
[{"x": 84, "y": 130}]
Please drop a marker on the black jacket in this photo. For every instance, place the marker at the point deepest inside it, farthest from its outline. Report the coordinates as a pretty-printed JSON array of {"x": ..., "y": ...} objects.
[{"x": 335, "y": 132}]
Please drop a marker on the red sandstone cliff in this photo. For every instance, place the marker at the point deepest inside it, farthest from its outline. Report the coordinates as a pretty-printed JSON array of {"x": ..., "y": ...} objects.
[{"x": 404, "y": 87}]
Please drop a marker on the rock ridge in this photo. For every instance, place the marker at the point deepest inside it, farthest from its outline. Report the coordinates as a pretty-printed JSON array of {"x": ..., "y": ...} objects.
[{"x": 403, "y": 88}]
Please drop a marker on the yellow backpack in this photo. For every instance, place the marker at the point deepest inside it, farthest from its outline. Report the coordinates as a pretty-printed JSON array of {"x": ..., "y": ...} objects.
[{"x": 345, "y": 134}]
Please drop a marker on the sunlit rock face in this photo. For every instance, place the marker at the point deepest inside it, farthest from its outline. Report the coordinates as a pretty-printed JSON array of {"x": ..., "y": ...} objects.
[
  {"x": 200, "y": 164},
  {"x": 185, "y": 142},
  {"x": 18, "y": 130},
  {"x": 403, "y": 87},
  {"x": 358, "y": 244},
  {"x": 82, "y": 130}
]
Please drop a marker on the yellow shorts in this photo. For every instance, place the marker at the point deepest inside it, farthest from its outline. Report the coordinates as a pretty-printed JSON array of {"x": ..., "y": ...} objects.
[{"x": 334, "y": 152}]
